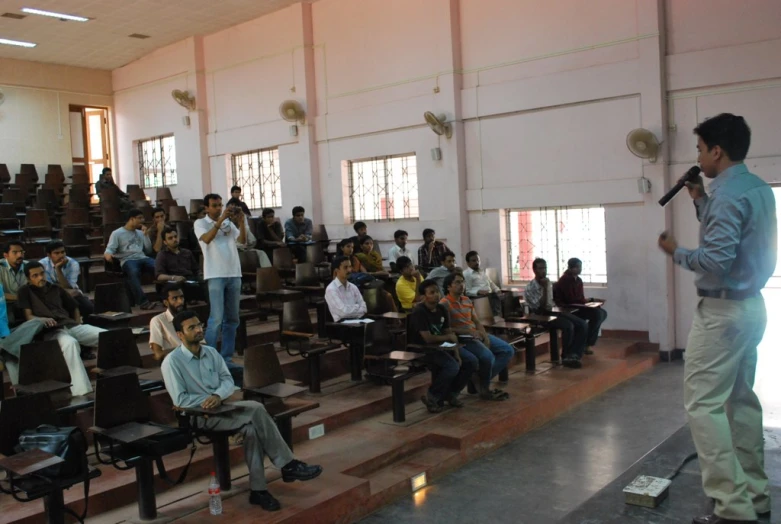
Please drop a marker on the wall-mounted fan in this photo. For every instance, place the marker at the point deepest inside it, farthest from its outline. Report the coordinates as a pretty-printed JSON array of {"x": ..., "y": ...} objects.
[
  {"x": 184, "y": 99},
  {"x": 438, "y": 124},
  {"x": 643, "y": 143},
  {"x": 292, "y": 111}
]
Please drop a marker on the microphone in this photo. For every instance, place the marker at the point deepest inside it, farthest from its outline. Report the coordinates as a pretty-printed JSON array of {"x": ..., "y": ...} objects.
[{"x": 690, "y": 176}]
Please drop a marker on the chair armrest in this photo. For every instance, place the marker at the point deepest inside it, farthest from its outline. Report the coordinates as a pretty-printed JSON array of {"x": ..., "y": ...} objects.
[
  {"x": 279, "y": 390},
  {"x": 129, "y": 432},
  {"x": 30, "y": 461},
  {"x": 350, "y": 326},
  {"x": 197, "y": 411},
  {"x": 297, "y": 334}
]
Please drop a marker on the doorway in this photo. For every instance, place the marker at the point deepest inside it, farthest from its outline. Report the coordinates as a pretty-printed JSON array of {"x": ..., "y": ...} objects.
[{"x": 90, "y": 139}]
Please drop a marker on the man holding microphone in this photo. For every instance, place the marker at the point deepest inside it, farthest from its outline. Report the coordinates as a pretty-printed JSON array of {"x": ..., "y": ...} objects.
[{"x": 735, "y": 259}]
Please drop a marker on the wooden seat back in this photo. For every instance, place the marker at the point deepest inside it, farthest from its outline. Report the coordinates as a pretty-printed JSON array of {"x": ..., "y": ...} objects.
[
  {"x": 7, "y": 210},
  {"x": 42, "y": 361},
  {"x": 167, "y": 204},
  {"x": 283, "y": 258},
  {"x": 37, "y": 218},
  {"x": 135, "y": 193},
  {"x": 20, "y": 413},
  {"x": 56, "y": 170},
  {"x": 267, "y": 279},
  {"x": 163, "y": 193},
  {"x": 378, "y": 301},
  {"x": 320, "y": 234},
  {"x": 314, "y": 253},
  {"x": 178, "y": 214},
  {"x": 80, "y": 178},
  {"x": 5, "y": 175},
  {"x": 119, "y": 400},
  {"x": 26, "y": 181},
  {"x": 117, "y": 347},
  {"x": 29, "y": 169},
  {"x": 79, "y": 195},
  {"x": 110, "y": 213},
  {"x": 262, "y": 367},
  {"x": 295, "y": 317},
  {"x": 306, "y": 275},
  {"x": 13, "y": 195},
  {"x": 75, "y": 217},
  {"x": 195, "y": 205},
  {"x": 112, "y": 297},
  {"x": 483, "y": 309}
]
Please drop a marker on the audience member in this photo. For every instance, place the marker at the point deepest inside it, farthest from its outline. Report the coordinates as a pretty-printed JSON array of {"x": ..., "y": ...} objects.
[
  {"x": 12, "y": 340},
  {"x": 399, "y": 250},
  {"x": 270, "y": 233},
  {"x": 130, "y": 246},
  {"x": 222, "y": 272},
  {"x": 64, "y": 271},
  {"x": 479, "y": 285},
  {"x": 492, "y": 353},
  {"x": 106, "y": 182},
  {"x": 178, "y": 264},
  {"x": 236, "y": 201},
  {"x": 196, "y": 376},
  {"x": 408, "y": 284},
  {"x": 12, "y": 275},
  {"x": 162, "y": 335},
  {"x": 448, "y": 267},
  {"x": 569, "y": 291},
  {"x": 370, "y": 259},
  {"x": 429, "y": 324},
  {"x": 250, "y": 242},
  {"x": 358, "y": 274},
  {"x": 432, "y": 251},
  {"x": 298, "y": 233},
  {"x": 539, "y": 297},
  {"x": 343, "y": 298},
  {"x": 60, "y": 315},
  {"x": 361, "y": 230},
  {"x": 155, "y": 231}
]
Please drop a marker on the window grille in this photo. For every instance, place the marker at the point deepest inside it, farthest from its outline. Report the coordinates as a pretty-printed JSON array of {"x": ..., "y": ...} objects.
[
  {"x": 383, "y": 188},
  {"x": 157, "y": 161},
  {"x": 257, "y": 174}
]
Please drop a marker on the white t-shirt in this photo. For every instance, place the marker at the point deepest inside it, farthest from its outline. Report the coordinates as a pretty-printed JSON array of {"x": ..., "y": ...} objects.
[{"x": 221, "y": 256}]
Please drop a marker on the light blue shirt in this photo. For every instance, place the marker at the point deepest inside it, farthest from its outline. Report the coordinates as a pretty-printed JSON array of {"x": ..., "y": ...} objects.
[
  {"x": 70, "y": 270},
  {"x": 737, "y": 234},
  {"x": 190, "y": 380},
  {"x": 127, "y": 245},
  {"x": 4, "y": 331},
  {"x": 293, "y": 229}
]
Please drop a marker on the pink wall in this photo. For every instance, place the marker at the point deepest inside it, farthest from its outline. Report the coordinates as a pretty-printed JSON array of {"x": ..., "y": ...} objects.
[{"x": 542, "y": 94}]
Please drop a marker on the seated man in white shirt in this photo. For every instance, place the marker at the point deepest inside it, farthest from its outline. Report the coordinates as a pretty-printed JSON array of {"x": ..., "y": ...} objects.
[
  {"x": 196, "y": 375},
  {"x": 400, "y": 250},
  {"x": 479, "y": 285},
  {"x": 162, "y": 335},
  {"x": 343, "y": 298}
]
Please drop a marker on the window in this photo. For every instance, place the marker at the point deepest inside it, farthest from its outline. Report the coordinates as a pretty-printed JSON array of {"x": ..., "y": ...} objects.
[
  {"x": 257, "y": 174},
  {"x": 383, "y": 188},
  {"x": 157, "y": 161},
  {"x": 557, "y": 234}
]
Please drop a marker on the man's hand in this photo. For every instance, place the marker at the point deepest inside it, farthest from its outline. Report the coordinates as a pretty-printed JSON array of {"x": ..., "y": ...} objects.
[
  {"x": 483, "y": 293},
  {"x": 48, "y": 322},
  {"x": 696, "y": 188},
  {"x": 179, "y": 278},
  {"x": 107, "y": 257},
  {"x": 486, "y": 340},
  {"x": 144, "y": 229},
  {"x": 61, "y": 263},
  {"x": 545, "y": 281},
  {"x": 225, "y": 214},
  {"x": 211, "y": 402},
  {"x": 73, "y": 292},
  {"x": 452, "y": 337},
  {"x": 667, "y": 242}
]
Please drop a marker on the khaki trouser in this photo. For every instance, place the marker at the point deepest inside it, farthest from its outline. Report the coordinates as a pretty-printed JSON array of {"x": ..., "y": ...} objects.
[{"x": 724, "y": 413}]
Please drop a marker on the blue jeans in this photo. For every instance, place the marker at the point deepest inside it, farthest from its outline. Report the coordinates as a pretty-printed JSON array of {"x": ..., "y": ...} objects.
[
  {"x": 133, "y": 270},
  {"x": 224, "y": 296},
  {"x": 447, "y": 377},
  {"x": 490, "y": 360}
]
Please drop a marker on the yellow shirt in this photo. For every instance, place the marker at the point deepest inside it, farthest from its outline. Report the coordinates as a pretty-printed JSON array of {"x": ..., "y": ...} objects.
[{"x": 405, "y": 291}]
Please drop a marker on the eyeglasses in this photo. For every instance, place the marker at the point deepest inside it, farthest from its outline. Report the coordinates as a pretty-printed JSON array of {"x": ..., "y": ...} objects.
[{"x": 194, "y": 327}]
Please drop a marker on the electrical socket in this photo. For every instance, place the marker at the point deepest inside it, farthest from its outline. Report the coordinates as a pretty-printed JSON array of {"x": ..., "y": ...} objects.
[{"x": 316, "y": 431}]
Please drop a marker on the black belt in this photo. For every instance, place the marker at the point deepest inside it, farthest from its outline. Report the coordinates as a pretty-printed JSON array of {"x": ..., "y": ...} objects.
[{"x": 727, "y": 294}]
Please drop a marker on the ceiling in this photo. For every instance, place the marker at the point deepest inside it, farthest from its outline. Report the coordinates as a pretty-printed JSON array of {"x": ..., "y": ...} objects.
[{"x": 103, "y": 43}]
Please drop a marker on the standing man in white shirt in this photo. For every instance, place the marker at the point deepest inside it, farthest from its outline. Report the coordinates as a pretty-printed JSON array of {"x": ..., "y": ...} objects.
[
  {"x": 479, "y": 285},
  {"x": 218, "y": 237},
  {"x": 400, "y": 250}
]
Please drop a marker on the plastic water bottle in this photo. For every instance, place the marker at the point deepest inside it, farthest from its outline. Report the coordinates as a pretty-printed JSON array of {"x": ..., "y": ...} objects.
[{"x": 215, "y": 499}]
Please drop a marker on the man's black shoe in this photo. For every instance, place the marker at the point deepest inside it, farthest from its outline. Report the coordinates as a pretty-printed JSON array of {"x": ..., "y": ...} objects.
[
  {"x": 297, "y": 470},
  {"x": 572, "y": 363},
  {"x": 764, "y": 516},
  {"x": 715, "y": 519},
  {"x": 264, "y": 499},
  {"x": 588, "y": 351}
]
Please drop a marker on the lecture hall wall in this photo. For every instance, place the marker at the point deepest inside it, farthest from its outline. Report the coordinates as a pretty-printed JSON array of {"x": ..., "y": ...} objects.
[
  {"x": 34, "y": 120},
  {"x": 542, "y": 109}
]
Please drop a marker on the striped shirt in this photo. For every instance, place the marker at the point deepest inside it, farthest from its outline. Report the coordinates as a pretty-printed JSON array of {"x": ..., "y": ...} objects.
[{"x": 461, "y": 310}]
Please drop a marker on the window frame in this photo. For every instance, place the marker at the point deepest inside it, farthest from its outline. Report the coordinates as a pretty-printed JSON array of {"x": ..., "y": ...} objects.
[
  {"x": 144, "y": 176},
  {"x": 555, "y": 268},
  {"x": 410, "y": 194},
  {"x": 276, "y": 171}
]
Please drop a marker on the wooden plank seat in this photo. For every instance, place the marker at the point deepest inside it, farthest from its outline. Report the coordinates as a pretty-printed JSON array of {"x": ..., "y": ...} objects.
[
  {"x": 125, "y": 438},
  {"x": 24, "y": 481},
  {"x": 112, "y": 306},
  {"x": 264, "y": 380},
  {"x": 298, "y": 337}
]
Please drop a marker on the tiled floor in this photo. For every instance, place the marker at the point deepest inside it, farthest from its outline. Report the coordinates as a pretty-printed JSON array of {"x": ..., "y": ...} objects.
[{"x": 545, "y": 474}]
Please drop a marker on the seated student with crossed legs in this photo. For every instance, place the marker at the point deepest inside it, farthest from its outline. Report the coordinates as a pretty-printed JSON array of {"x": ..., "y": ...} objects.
[
  {"x": 569, "y": 291},
  {"x": 196, "y": 375}
]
